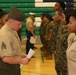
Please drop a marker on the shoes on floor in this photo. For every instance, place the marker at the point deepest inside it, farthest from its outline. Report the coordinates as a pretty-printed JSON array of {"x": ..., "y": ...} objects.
[
  {"x": 35, "y": 47},
  {"x": 33, "y": 57}
]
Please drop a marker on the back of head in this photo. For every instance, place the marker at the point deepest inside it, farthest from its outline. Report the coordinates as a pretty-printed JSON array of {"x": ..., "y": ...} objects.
[
  {"x": 47, "y": 15},
  {"x": 68, "y": 13},
  {"x": 42, "y": 16},
  {"x": 16, "y": 14},
  {"x": 62, "y": 4},
  {"x": 2, "y": 13},
  {"x": 74, "y": 13}
]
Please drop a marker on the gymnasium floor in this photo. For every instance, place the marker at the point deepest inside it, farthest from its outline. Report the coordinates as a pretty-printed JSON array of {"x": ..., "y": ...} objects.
[{"x": 36, "y": 66}]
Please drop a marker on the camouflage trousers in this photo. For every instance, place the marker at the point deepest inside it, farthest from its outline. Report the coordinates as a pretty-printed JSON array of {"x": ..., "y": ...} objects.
[
  {"x": 59, "y": 66},
  {"x": 48, "y": 44}
]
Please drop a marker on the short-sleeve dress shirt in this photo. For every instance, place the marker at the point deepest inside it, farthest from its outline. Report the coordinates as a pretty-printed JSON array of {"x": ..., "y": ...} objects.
[{"x": 9, "y": 42}]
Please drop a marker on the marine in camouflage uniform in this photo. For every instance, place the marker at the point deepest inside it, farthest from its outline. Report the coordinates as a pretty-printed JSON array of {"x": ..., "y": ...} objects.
[
  {"x": 54, "y": 34},
  {"x": 63, "y": 44},
  {"x": 42, "y": 33},
  {"x": 47, "y": 31},
  {"x": 60, "y": 44},
  {"x": 48, "y": 35},
  {"x": 43, "y": 40}
]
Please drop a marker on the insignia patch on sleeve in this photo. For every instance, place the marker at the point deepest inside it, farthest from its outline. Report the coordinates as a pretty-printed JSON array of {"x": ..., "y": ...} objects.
[{"x": 3, "y": 46}]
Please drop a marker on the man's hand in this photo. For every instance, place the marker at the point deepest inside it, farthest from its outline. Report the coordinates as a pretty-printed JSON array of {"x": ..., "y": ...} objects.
[
  {"x": 34, "y": 36},
  {"x": 13, "y": 60},
  {"x": 25, "y": 61},
  {"x": 23, "y": 55}
]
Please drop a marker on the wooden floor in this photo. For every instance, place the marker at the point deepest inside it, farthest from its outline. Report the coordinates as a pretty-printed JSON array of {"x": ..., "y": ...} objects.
[{"x": 36, "y": 66}]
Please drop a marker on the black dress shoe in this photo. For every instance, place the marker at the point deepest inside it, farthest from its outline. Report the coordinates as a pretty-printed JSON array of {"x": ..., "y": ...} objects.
[
  {"x": 35, "y": 48},
  {"x": 33, "y": 56}
]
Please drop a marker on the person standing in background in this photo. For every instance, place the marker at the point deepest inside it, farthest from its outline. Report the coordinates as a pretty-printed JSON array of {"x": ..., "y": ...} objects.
[
  {"x": 3, "y": 18},
  {"x": 59, "y": 44},
  {"x": 42, "y": 31},
  {"x": 30, "y": 31},
  {"x": 58, "y": 8},
  {"x": 10, "y": 49},
  {"x": 48, "y": 35}
]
